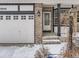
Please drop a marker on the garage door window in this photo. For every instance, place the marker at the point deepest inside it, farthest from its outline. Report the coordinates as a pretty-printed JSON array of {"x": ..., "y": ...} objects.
[
  {"x": 23, "y": 17},
  {"x": 30, "y": 17},
  {"x": 15, "y": 17},
  {"x": 8, "y": 17},
  {"x": 1, "y": 17}
]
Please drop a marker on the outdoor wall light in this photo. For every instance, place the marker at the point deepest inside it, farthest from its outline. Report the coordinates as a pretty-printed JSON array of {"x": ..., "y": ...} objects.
[{"x": 38, "y": 13}]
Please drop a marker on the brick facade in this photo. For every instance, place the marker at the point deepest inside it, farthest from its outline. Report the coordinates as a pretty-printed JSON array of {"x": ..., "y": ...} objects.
[{"x": 38, "y": 23}]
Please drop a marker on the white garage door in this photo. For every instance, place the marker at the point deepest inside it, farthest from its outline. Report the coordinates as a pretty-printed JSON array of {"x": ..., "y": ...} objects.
[{"x": 17, "y": 28}]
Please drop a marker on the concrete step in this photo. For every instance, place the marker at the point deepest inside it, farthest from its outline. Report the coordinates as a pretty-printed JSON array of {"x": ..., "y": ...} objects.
[{"x": 51, "y": 39}]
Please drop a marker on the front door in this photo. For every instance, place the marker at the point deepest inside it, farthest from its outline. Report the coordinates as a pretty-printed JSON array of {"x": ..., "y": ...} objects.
[{"x": 46, "y": 21}]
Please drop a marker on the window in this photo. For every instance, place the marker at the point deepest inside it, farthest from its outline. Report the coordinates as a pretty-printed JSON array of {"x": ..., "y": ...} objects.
[
  {"x": 55, "y": 17},
  {"x": 78, "y": 21},
  {"x": 77, "y": 27},
  {"x": 8, "y": 17},
  {"x": 47, "y": 17},
  {"x": 23, "y": 17},
  {"x": 78, "y": 16},
  {"x": 1, "y": 17},
  {"x": 30, "y": 17},
  {"x": 15, "y": 17},
  {"x": 62, "y": 16}
]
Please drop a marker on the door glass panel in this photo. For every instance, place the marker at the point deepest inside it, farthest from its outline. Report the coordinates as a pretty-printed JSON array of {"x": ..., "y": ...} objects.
[{"x": 47, "y": 17}]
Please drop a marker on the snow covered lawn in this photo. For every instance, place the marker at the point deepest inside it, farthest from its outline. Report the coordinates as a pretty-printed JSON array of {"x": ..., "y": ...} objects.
[{"x": 28, "y": 51}]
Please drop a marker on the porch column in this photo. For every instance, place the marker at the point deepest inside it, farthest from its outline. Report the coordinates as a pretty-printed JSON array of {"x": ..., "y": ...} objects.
[
  {"x": 53, "y": 19},
  {"x": 58, "y": 17},
  {"x": 38, "y": 23}
]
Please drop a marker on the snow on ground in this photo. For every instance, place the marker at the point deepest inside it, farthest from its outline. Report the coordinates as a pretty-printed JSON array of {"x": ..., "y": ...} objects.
[{"x": 27, "y": 51}]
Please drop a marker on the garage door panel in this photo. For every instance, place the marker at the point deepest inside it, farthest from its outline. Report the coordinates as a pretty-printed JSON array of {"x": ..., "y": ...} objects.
[
  {"x": 29, "y": 28},
  {"x": 8, "y": 35}
]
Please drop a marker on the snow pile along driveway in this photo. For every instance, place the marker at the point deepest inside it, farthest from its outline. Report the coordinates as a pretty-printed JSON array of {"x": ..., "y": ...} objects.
[{"x": 27, "y": 51}]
